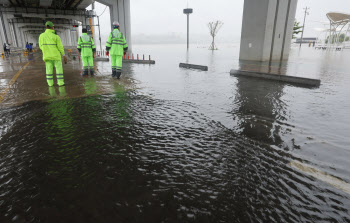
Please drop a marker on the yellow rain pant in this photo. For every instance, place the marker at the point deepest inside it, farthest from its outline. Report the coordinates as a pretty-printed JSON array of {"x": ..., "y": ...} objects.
[
  {"x": 117, "y": 63},
  {"x": 88, "y": 63},
  {"x": 59, "y": 72}
]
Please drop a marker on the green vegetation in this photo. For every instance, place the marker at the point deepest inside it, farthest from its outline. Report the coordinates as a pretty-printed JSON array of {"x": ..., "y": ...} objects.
[
  {"x": 296, "y": 29},
  {"x": 341, "y": 38}
]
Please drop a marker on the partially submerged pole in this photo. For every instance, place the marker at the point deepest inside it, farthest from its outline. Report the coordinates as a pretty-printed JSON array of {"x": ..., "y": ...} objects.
[{"x": 188, "y": 11}]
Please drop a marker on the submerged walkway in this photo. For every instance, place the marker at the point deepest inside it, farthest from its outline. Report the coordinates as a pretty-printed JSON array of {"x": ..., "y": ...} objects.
[
  {"x": 22, "y": 79},
  {"x": 184, "y": 146}
]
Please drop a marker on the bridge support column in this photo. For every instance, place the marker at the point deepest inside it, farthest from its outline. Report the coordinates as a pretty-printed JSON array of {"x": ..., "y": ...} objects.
[
  {"x": 21, "y": 33},
  {"x": 2, "y": 35},
  {"x": 267, "y": 29},
  {"x": 120, "y": 11},
  {"x": 18, "y": 35},
  {"x": 5, "y": 28},
  {"x": 72, "y": 36}
]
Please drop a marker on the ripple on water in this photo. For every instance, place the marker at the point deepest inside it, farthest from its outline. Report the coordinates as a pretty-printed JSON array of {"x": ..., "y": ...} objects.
[{"x": 130, "y": 158}]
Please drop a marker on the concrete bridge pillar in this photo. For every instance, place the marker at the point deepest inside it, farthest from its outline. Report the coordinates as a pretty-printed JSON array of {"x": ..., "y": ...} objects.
[
  {"x": 18, "y": 35},
  {"x": 5, "y": 28},
  {"x": 72, "y": 36},
  {"x": 120, "y": 11},
  {"x": 267, "y": 29},
  {"x": 67, "y": 37},
  {"x": 22, "y": 38},
  {"x": 2, "y": 35}
]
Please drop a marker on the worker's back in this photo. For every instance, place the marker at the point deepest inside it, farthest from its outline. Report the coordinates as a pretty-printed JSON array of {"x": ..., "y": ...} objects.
[
  {"x": 87, "y": 45},
  {"x": 117, "y": 43},
  {"x": 51, "y": 45}
]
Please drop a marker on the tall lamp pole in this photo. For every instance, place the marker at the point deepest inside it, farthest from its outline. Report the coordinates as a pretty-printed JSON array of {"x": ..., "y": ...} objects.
[
  {"x": 302, "y": 33},
  {"x": 188, "y": 11}
]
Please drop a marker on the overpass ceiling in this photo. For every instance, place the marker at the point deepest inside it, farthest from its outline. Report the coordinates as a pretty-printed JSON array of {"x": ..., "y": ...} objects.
[
  {"x": 41, "y": 21},
  {"x": 42, "y": 27},
  {"x": 54, "y": 4}
]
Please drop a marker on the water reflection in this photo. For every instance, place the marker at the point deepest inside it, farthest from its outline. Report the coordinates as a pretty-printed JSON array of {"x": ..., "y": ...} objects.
[
  {"x": 90, "y": 85},
  {"x": 61, "y": 90},
  {"x": 64, "y": 152},
  {"x": 260, "y": 109},
  {"x": 124, "y": 157}
]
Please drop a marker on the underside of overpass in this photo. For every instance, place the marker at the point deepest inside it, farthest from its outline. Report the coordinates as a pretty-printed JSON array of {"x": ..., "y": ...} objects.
[
  {"x": 22, "y": 21},
  {"x": 266, "y": 29}
]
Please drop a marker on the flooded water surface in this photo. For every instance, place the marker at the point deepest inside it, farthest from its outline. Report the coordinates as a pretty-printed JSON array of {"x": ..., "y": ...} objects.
[{"x": 183, "y": 145}]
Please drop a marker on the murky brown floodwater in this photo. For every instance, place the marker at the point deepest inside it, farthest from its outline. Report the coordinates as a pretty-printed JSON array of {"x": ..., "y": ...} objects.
[{"x": 187, "y": 146}]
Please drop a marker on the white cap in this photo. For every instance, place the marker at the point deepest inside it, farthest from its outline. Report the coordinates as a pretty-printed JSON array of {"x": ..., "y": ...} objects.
[{"x": 115, "y": 23}]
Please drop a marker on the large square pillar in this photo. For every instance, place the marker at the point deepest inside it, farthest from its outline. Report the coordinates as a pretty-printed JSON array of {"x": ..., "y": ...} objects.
[
  {"x": 20, "y": 41},
  {"x": 5, "y": 28},
  {"x": 267, "y": 29},
  {"x": 120, "y": 11}
]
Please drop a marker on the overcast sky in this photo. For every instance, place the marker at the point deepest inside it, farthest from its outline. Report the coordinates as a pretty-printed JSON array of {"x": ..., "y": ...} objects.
[{"x": 165, "y": 17}]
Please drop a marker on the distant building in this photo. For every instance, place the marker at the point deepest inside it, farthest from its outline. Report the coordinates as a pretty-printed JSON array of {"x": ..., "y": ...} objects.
[{"x": 307, "y": 40}]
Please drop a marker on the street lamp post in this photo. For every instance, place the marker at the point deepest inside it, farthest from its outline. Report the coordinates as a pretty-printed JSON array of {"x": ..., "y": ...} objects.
[
  {"x": 302, "y": 33},
  {"x": 188, "y": 11}
]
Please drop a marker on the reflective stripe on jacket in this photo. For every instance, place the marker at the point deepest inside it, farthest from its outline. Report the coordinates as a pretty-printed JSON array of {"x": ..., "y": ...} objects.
[
  {"x": 116, "y": 41},
  {"x": 86, "y": 44},
  {"x": 51, "y": 45}
]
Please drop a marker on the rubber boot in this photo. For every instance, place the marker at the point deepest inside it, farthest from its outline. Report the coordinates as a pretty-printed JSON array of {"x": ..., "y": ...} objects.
[
  {"x": 92, "y": 72},
  {"x": 85, "y": 72},
  {"x": 118, "y": 74},
  {"x": 114, "y": 73}
]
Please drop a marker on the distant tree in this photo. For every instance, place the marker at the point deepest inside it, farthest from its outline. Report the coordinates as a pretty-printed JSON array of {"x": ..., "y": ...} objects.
[
  {"x": 296, "y": 29},
  {"x": 334, "y": 38},
  {"x": 214, "y": 28},
  {"x": 342, "y": 38}
]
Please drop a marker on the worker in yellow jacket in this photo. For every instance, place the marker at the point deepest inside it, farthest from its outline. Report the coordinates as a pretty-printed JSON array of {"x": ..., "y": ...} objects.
[
  {"x": 116, "y": 47},
  {"x": 52, "y": 48},
  {"x": 86, "y": 48}
]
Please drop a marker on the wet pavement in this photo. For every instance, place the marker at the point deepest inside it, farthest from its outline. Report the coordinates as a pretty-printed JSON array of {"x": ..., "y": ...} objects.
[{"x": 166, "y": 144}]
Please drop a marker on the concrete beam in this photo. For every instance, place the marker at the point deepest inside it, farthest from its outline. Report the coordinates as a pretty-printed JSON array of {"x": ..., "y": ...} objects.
[
  {"x": 42, "y": 12},
  {"x": 42, "y": 27},
  {"x": 278, "y": 77},
  {"x": 267, "y": 29},
  {"x": 45, "y": 3},
  {"x": 193, "y": 66},
  {"x": 39, "y": 21}
]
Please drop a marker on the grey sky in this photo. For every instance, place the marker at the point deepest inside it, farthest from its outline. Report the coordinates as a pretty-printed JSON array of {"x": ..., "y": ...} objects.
[{"x": 165, "y": 17}]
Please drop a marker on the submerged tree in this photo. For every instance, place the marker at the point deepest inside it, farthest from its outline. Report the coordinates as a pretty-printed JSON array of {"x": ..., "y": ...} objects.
[{"x": 214, "y": 28}]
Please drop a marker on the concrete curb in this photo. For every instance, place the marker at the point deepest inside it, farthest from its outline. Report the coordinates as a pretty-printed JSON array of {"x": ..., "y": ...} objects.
[
  {"x": 278, "y": 77},
  {"x": 140, "y": 61},
  {"x": 101, "y": 59},
  {"x": 193, "y": 66}
]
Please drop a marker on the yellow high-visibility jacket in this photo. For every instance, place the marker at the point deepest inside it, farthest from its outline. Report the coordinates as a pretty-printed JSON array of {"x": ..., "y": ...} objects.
[
  {"x": 51, "y": 45},
  {"x": 116, "y": 43},
  {"x": 86, "y": 45}
]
